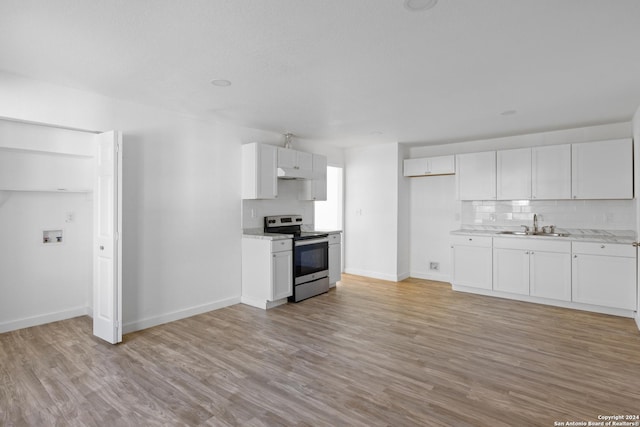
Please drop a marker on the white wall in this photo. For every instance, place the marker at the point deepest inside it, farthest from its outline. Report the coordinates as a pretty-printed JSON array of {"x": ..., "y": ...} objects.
[
  {"x": 181, "y": 242},
  {"x": 42, "y": 283},
  {"x": 636, "y": 152},
  {"x": 435, "y": 211},
  {"x": 287, "y": 203},
  {"x": 371, "y": 211}
]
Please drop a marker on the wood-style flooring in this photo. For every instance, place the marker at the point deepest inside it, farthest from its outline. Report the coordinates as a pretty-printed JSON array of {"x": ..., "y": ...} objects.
[{"x": 369, "y": 353}]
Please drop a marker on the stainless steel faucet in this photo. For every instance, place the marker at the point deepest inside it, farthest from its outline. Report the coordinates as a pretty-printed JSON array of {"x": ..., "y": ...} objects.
[{"x": 535, "y": 223}]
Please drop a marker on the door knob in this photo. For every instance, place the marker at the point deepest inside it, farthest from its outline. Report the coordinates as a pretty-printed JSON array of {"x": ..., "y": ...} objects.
[{"x": 102, "y": 248}]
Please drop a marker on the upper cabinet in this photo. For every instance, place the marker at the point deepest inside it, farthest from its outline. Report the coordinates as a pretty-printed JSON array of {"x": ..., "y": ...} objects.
[
  {"x": 316, "y": 189},
  {"x": 551, "y": 172},
  {"x": 513, "y": 174},
  {"x": 602, "y": 170},
  {"x": 293, "y": 159},
  {"x": 262, "y": 164},
  {"x": 259, "y": 180},
  {"x": 476, "y": 176},
  {"x": 442, "y": 165}
]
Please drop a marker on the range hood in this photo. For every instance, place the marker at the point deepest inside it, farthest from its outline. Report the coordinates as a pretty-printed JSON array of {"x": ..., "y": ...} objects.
[{"x": 293, "y": 173}]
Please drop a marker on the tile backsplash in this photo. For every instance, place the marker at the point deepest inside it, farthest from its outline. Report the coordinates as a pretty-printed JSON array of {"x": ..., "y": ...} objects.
[{"x": 597, "y": 214}]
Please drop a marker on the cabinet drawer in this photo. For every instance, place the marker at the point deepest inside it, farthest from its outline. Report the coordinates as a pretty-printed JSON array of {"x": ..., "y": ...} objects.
[
  {"x": 532, "y": 244},
  {"x": 334, "y": 238},
  {"x": 470, "y": 240},
  {"x": 610, "y": 249},
  {"x": 281, "y": 245}
]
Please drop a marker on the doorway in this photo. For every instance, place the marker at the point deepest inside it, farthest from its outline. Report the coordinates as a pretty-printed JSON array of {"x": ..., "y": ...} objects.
[{"x": 329, "y": 214}]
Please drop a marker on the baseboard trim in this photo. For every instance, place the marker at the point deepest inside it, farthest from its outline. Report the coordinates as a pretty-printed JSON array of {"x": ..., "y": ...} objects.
[
  {"x": 42, "y": 319},
  {"x": 537, "y": 300},
  {"x": 150, "y": 322},
  {"x": 377, "y": 275},
  {"x": 438, "y": 277},
  {"x": 638, "y": 319}
]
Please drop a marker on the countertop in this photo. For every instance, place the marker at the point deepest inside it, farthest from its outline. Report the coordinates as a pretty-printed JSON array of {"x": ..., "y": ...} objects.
[
  {"x": 258, "y": 233},
  {"x": 575, "y": 234}
]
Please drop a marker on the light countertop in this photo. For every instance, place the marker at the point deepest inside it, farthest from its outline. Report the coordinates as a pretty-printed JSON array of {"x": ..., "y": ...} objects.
[
  {"x": 575, "y": 234},
  {"x": 258, "y": 233}
]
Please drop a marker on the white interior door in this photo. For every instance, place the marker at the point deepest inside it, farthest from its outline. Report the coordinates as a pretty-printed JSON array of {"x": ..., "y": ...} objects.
[{"x": 107, "y": 259}]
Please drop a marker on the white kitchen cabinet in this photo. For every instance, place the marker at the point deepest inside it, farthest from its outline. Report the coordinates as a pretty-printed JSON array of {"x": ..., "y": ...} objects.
[
  {"x": 604, "y": 275},
  {"x": 335, "y": 255},
  {"x": 476, "y": 176},
  {"x": 551, "y": 172},
  {"x": 532, "y": 267},
  {"x": 511, "y": 270},
  {"x": 441, "y": 165},
  {"x": 294, "y": 159},
  {"x": 513, "y": 174},
  {"x": 602, "y": 170},
  {"x": 259, "y": 177},
  {"x": 282, "y": 275},
  {"x": 267, "y": 271},
  {"x": 316, "y": 188},
  {"x": 471, "y": 260}
]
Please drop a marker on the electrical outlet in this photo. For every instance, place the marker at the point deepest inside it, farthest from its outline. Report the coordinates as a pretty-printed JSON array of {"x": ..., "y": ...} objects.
[{"x": 435, "y": 266}]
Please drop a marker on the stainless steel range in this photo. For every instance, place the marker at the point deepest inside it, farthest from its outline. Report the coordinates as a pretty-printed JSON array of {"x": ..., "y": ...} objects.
[{"x": 310, "y": 256}]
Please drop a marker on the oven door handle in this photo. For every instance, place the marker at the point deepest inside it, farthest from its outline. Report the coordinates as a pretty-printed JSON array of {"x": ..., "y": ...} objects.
[{"x": 310, "y": 242}]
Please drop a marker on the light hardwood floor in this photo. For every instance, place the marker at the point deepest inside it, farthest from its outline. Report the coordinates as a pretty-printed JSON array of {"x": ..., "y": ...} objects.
[{"x": 368, "y": 353}]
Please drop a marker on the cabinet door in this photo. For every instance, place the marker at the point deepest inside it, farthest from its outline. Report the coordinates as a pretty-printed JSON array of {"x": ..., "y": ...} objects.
[
  {"x": 287, "y": 158},
  {"x": 335, "y": 267},
  {"x": 472, "y": 266},
  {"x": 604, "y": 280},
  {"x": 514, "y": 174},
  {"x": 511, "y": 271},
  {"x": 282, "y": 275},
  {"x": 442, "y": 165},
  {"x": 416, "y": 167},
  {"x": 551, "y": 172},
  {"x": 266, "y": 173},
  {"x": 316, "y": 188},
  {"x": 304, "y": 161},
  {"x": 602, "y": 170},
  {"x": 259, "y": 175},
  {"x": 476, "y": 175},
  {"x": 550, "y": 275}
]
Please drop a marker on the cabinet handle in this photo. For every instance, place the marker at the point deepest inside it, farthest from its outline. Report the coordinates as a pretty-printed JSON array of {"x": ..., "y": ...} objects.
[
  {"x": 470, "y": 240},
  {"x": 532, "y": 253},
  {"x": 526, "y": 253},
  {"x": 575, "y": 256},
  {"x": 602, "y": 247}
]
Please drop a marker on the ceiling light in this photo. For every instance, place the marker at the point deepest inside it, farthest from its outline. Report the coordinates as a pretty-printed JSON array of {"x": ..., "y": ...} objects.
[
  {"x": 220, "y": 82},
  {"x": 508, "y": 113},
  {"x": 418, "y": 5}
]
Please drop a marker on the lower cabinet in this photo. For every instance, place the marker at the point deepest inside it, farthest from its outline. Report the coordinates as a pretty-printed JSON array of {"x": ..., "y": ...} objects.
[
  {"x": 471, "y": 259},
  {"x": 584, "y": 275},
  {"x": 335, "y": 259},
  {"x": 267, "y": 271},
  {"x": 536, "y": 268},
  {"x": 604, "y": 275}
]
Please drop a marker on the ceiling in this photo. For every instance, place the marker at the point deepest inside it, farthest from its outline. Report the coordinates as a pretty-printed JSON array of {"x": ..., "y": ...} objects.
[{"x": 347, "y": 72}]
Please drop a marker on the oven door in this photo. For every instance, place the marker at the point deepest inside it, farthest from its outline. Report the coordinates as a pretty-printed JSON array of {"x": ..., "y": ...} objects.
[{"x": 310, "y": 260}]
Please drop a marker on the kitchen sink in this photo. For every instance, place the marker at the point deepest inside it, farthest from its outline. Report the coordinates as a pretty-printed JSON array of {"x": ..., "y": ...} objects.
[{"x": 533, "y": 233}]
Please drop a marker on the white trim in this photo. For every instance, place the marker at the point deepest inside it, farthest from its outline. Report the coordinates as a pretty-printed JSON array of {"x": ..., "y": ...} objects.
[
  {"x": 564, "y": 304},
  {"x": 42, "y": 319},
  {"x": 177, "y": 315},
  {"x": 438, "y": 277},
  {"x": 638, "y": 319},
  {"x": 265, "y": 305},
  {"x": 377, "y": 275}
]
